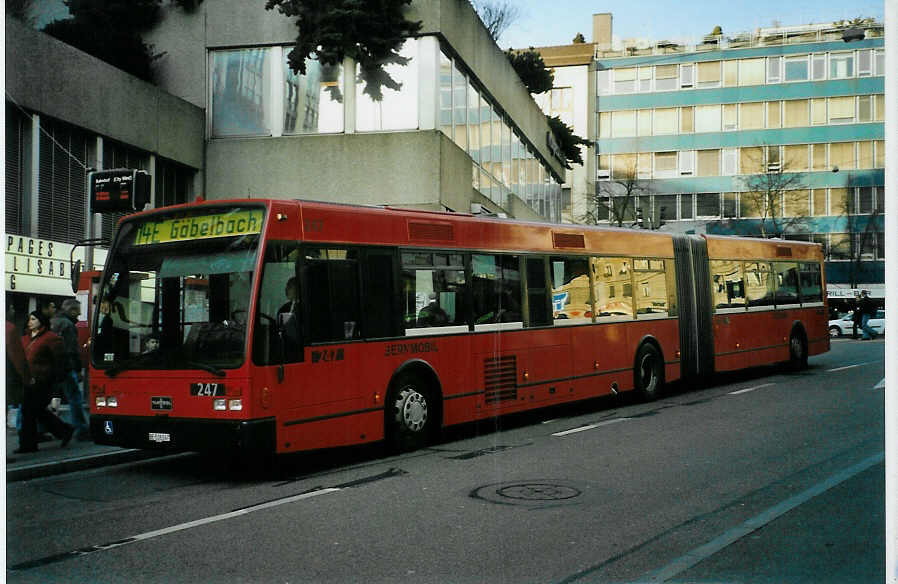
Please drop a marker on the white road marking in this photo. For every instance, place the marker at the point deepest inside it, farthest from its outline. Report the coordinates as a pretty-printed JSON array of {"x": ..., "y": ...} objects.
[
  {"x": 705, "y": 551},
  {"x": 849, "y": 366},
  {"x": 881, "y": 384},
  {"x": 748, "y": 389},
  {"x": 590, "y": 427},
  {"x": 215, "y": 518}
]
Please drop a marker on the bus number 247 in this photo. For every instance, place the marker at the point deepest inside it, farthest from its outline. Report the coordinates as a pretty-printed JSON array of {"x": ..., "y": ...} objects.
[{"x": 207, "y": 389}]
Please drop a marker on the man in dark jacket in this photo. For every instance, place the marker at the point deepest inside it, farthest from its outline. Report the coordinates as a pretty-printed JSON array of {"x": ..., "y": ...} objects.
[
  {"x": 63, "y": 324},
  {"x": 868, "y": 311}
]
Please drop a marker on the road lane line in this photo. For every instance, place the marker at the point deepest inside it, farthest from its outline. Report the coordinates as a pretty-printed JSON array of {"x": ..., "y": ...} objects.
[
  {"x": 881, "y": 384},
  {"x": 167, "y": 530},
  {"x": 850, "y": 366},
  {"x": 748, "y": 389},
  {"x": 731, "y": 536},
  {"x": 589, "y": 427}
]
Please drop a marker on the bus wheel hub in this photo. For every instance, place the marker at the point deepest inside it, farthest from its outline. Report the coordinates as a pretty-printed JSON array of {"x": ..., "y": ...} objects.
[{"x": 411, "y": 410}]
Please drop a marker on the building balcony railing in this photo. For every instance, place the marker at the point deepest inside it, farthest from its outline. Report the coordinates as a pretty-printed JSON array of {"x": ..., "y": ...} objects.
[{"x": 761, "y": 38}]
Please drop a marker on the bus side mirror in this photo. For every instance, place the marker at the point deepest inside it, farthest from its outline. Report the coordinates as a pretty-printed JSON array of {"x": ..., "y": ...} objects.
[{"x": 75, "y": 273}]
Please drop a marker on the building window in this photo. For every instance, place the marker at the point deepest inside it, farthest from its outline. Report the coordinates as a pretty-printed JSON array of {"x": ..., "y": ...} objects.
[
  {"x": 17, "y": 127},
  {"x": 708, "y": 74},
  {"x": 708, "y": 162},
  {"x": 841, "y": 154},
  {"x": 687, "y": 120},
  {"x": 729, "y": 205},
  {"x": 730, "y": 161},
  {"x": 687, "y": 162},
  {"x": 730, "y": 73},
  {"x": 666, "y": 121},
  {"x": 398, "y": 110},
  {"x": 623, "y": 123},
  {"x": 818, "y": 157},
  {"x": 686, "y": 75},
  {"x": 665, "y": 164},
  {"x": 751, "y": 71},
  {"x": 841, "y": 65},
  {"x": 707, "y": 118},
  {"x": 173, "y": 183},
  {"x": 644, "y": 123},
  {"x": 864, "y": 62},
  {"x": 818, "y": 66},
  {"x": 730, "y": 117},
  {"x": 686, "y": 211},
  {"x": 796, "y": 157},
  {"x": 818, "y": 203},
  {"x": 879, "y": 62},
  {"x": 241, "y": 92},
  {"x": 752, "y": 116},
  {"x": 795, "y": 113},
  {"x": 645, "y": 79},
  {"x": 796, "y": 68},
  {"x": 707, "y": 205},
  {"x": 865, "y": 108},
  {"x": 603, "y": 80},
  {"x": 665, "y": 77},
  {"x": 313, "y": 103},
  {"x": 841, "y": 110},
  {"x": 774, "y": 114},
  {"x": 818, "y": 111},
  {"x": 865, "y": 154},
  {"x": 625, "y": 80},
  {"x": 774, "y": 69}
]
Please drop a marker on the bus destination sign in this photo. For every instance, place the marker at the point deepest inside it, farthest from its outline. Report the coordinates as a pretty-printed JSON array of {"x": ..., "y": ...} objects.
[{"x": 237, "y": 222}]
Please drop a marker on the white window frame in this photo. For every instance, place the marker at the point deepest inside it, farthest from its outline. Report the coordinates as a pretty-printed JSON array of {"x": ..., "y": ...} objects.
[
  {"x": 686, "y": 162},
  {"x": 777, "y": 64},
  {"x": 868, "y": 71},
  {"x": 838, "y": 54},
  {"x": 687, "y": 80},
  {"x": 733, "y": 155},
  {"x": 879, "y": 62},
  {"x": 664, "y": 173},
  {"x": 815, "y": 59},
  {"x": 796, "y": 58}
]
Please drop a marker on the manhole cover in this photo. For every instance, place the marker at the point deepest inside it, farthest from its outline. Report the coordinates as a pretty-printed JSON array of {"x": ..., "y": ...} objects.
[{"x": 529, "y": 493}]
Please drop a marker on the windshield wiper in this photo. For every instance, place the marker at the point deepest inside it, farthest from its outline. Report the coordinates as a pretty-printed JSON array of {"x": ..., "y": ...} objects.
[{"x": 133, "y": 363}]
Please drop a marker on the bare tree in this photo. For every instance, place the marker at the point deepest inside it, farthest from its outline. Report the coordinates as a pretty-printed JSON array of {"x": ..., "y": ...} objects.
[
  {"x": 861, "y": 225},
  {"x": 774, "y": 192},
  {"x": 497, "y": 15},
  {"x": 618, "y": 201}
]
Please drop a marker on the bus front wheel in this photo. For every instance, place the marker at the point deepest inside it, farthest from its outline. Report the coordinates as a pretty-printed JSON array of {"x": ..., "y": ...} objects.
[
  {"x": 411, "y": 415},
  {"x": 649, "y": 372}
]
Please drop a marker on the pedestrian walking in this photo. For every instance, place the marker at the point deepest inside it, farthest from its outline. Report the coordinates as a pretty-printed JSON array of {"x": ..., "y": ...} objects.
[
  {"x": 44, "y": 355},
  {"x": 868, "y": 311},
  {"x": 63, "y": 324},
  {"x": 16, "y": 365}
]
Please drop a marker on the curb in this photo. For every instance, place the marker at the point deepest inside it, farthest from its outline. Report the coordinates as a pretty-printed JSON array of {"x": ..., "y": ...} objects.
[{"x": 56, "y": 467}]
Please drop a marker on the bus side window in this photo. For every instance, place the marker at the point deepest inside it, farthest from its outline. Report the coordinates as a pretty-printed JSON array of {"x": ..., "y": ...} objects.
[
  {"x": 434, "y": 290},
  {"x": 277, "y": 272},
  {"x": 331, "y": 278},
  {"x": 652, "y": 300},
  {"x": 810, "y": 283},
  {"x": 537, "y": 293},
  {"x": 759, "y": 284},
  {"x": 727, "y": 284},
  {"x": 786, "y": 283},
  {"x": 613, "y": 289},
  {"x": 571, "y": 302},
  {"x": 496, "y": 286}
]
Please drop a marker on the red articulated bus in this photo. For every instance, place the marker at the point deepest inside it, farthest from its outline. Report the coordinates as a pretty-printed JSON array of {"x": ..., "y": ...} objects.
[{"x": 278, "y": 326}]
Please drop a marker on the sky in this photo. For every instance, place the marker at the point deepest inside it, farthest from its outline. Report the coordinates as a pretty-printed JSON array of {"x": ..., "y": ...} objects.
[{"x": 556, "y": 22}]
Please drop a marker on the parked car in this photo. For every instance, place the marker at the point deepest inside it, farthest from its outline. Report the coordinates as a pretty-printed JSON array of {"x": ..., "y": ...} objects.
[{"x": 844, "y": 326}]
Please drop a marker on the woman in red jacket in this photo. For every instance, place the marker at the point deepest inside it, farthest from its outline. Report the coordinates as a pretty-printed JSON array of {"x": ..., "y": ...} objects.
[{"x": 44, "y": 353}]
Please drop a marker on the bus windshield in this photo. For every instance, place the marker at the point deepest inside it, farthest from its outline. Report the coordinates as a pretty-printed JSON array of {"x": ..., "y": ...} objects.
[{"x": 176, "y": 292}]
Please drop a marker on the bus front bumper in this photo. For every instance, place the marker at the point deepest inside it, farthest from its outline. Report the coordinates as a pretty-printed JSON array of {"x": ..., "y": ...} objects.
[{"x": 164, "y": 433}]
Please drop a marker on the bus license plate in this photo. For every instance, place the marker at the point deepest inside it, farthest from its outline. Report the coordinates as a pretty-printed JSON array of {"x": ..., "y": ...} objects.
[
  {"x": 207, "y": 389},
  {"x": 160, "y": 437}
]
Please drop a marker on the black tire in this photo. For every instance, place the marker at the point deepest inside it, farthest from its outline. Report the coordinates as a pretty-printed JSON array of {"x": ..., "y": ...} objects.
[
  {"x": 798, "y": 351},
  {"x": 412, "y": 414},
  {"x": 835, "y": 332},
  {"x": 648, "y": 372}
]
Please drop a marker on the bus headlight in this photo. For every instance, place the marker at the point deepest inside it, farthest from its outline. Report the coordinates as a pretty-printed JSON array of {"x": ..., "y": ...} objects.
[
  {"x": 101, "y": 401},
  {"x": 220, "y": 404},
  {"x": 112, "y": 401},
  {"x": 235, "y": 404}
]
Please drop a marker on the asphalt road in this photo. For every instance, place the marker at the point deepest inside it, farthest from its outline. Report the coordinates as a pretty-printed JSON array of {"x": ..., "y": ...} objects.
[{"x": 764, "y": 477}]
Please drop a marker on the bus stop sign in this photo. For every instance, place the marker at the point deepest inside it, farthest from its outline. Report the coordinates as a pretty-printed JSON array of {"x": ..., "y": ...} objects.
[{"x": 121, "y": 190}]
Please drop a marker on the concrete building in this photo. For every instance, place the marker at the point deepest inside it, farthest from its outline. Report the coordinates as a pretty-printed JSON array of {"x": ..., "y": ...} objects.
[
  {"x": 774, "y": 133},
  {"x": 228, "y": 118}
]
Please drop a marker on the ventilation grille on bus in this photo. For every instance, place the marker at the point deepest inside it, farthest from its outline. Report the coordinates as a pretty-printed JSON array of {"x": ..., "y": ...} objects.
[
  {"x": 783, "y": 252},
  {"x": 500, "y": 375},
  {"x": 568, "y": 240},
  {"x": 430, "y": 231}
]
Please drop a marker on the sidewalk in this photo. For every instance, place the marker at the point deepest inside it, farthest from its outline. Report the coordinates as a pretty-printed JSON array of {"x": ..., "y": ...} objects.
[{"x": 50, "y": 459}]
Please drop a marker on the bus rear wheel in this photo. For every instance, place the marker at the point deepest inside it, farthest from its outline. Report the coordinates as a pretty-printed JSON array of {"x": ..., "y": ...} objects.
[
  {"x": 411, "y": 416},
  {"x": 649, "y": 372}
]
